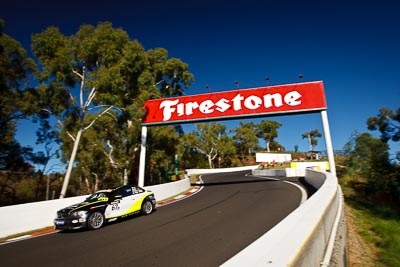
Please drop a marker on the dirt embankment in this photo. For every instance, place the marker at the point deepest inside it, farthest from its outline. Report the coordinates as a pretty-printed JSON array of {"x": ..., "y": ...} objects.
[{"x": 361, "y": 253}]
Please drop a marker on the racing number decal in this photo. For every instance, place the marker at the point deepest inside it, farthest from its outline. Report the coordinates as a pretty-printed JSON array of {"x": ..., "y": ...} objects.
[
  {"x": 115, "y": 204},
  {"x": 124, "y": 206},
  {"x": 113, "y": 209}
]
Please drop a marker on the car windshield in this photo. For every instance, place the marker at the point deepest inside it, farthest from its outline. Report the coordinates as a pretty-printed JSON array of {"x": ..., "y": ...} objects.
[{"x": 96, "y": 196}]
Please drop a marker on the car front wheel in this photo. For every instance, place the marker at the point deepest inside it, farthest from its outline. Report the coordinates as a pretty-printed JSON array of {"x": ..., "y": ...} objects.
[
  {"x": 95, "y": 220},
  {"x": 147, "y": 207}
]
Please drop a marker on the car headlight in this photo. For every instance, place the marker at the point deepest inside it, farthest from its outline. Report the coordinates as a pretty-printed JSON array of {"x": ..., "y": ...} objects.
[{"x": 80, "y": 213}]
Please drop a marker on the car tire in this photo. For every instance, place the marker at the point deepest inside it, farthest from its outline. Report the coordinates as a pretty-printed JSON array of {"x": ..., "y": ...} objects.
[
  {"x": 147, "y": 207},
  {"x": 95, "y": 220}
]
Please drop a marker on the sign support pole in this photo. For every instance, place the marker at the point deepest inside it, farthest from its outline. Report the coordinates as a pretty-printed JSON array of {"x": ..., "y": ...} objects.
[
  {"x": 142, "y": 156},
  {"x": 328, "y": 141}
]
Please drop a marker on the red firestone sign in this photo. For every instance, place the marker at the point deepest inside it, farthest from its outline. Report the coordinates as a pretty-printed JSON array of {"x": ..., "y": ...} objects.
[{"x": 254, "y": 102}]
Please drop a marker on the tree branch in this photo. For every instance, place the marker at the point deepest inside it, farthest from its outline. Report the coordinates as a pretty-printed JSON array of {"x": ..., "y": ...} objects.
[
  {"x": 92, "y": 94},
  {"x": 82, "y": 77},
  {"x": 93, "y": 121},
  {"x": 109, "y": 155},
  {"x": 78, "y": 74},
  {"x": 71, "y": 136}
]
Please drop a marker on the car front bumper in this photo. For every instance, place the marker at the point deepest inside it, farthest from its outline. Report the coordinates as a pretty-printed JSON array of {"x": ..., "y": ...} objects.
[{"x": 69, "y": 224}]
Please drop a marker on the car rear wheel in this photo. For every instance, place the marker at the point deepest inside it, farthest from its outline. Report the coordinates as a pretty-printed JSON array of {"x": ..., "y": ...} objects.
[
  {"x": 95, "y": 220},
  {"x": 147, "y": 207}
]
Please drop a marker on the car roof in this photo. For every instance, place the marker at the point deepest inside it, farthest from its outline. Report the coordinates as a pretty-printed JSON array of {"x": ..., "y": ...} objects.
[
  {"x": 104, "y": 191},
  {"x": 110, "y": 190}
]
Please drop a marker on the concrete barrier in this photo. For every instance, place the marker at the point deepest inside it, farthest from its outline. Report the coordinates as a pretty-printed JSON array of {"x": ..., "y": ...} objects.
[
  {"x": 295, "y": 172},
  {"x": 279, "y": 173},
  {"x": 220, "y": 170},
  {"x": 164, "y": 191},
  {"x": 31, "y": 216},
  {"x": 303, "y": 238}
]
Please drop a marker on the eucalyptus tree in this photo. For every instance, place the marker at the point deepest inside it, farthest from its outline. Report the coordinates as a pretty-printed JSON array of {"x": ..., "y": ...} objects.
[
  {"x": 48, "y": 137},
  {"x": 100, "y": 71},
  {"x": 368, "y": 157},
  {"x": 163, "y": 142},
  {"x": 98, "y": 163},
  {"x": 15, "y": 70},
  {"x": 245, "y": 137},
  {"x": 226, "y": 151},
  {"x": 388, "y": 124},
  {"x": 268, "y": 130},
  {"x": 212, "y": 141},
  {"x": 189, "y": 152},
  {"x": 311, "y": 137}
]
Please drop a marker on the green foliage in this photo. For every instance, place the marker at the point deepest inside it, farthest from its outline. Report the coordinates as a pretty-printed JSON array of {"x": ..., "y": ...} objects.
[
  {"x": 388, "y": 124},
  {"x": 311, "y": 136},
  {"x": 15, "y": 71},
  {"x": 276, "y": 146},
  {"x": 368, "y": 157},
  {"x": 189, "y": 155},
  {"x": 163, "y": 142},
  {"x": 268, "y": 130},
  {"x": 212, "y": 141},
  {"x": 366, "y": 152},
  {"x": 22, "y": 186},
  {"x": 116, "y": 77},
  {"x": 17, "y": 181},
  {"x": 246, "y": 140},
  {"x": 379, "y": 225},
  {"x": 100, "y": 162},
  {"x": 171, "y": 75},
  {"x": 371, "y": 185}
]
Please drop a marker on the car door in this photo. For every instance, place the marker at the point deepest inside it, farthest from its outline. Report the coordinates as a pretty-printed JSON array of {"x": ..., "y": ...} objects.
[{"x": 125, "y": 202}]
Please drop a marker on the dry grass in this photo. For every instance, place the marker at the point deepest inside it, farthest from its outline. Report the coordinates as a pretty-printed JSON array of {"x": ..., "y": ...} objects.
[{"x": 361, "y": 252}]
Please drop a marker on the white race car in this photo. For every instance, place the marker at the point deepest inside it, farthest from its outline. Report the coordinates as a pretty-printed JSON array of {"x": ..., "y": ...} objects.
[{"x": 106, "y": 205}]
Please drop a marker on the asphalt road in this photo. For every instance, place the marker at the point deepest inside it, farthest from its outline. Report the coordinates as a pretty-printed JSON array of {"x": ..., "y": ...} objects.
[{"x": 206, "y": 229}]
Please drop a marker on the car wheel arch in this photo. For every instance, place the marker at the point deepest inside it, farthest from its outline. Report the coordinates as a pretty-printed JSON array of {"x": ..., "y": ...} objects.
[
  {"x": 147, "y": 206},
  {"x": 96, "y": 219}
]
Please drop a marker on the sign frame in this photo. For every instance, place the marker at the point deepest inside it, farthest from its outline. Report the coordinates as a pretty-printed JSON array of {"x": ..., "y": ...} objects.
[{"x": 228, "y": 105}]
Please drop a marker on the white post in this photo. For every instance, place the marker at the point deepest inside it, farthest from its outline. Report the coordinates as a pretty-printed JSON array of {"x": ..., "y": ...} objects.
[
  {"x": 328, "y": 141},
  {"x": 142, "y": 156}
]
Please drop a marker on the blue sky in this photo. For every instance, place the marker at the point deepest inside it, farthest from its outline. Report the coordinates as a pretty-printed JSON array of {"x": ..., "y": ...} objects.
[{"x": 352, "y": 46}]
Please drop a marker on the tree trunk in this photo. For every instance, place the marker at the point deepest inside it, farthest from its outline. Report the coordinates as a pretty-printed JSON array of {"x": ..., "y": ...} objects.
[
  {"x": 310, "y": 143},
  {"x": 87, "y": 183},
  {"x": 71, "y": 163},
  {"x": 96, "y": 182},
  {"x": 210, "y": 161}
]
